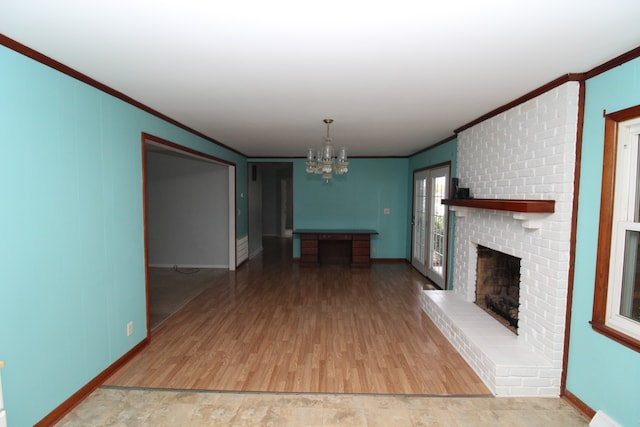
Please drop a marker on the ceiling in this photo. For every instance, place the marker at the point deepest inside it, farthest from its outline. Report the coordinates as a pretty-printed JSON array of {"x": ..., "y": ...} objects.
[{"x": 260, "y": 76}]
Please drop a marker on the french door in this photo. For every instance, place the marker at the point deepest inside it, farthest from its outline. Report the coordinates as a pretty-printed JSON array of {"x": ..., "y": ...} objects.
[{"x": 429, "y": 235}]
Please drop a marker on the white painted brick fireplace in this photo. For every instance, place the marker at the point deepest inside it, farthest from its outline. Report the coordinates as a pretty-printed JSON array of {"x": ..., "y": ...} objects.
[{"x": 527, "y": 152}]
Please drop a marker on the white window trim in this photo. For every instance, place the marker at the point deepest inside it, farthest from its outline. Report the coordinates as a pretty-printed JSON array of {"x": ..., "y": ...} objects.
[{"x": 623, "y": 220}]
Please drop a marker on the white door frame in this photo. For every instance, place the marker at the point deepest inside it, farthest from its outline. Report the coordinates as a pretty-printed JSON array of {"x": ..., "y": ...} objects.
[{"x": 233, "y": 254}]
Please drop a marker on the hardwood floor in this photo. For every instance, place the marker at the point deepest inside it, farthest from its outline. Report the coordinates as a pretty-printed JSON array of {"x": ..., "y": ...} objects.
[
  {"x": 170, "y": 289},
  {"x": 278, "y": 327}
]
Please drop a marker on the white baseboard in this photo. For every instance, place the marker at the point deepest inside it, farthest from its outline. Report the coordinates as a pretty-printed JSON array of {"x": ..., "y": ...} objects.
[{"x": 601, "y": 419}]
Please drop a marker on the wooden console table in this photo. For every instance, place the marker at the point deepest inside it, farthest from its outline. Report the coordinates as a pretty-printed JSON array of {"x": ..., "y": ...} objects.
[{"x": 335, "y": 247}]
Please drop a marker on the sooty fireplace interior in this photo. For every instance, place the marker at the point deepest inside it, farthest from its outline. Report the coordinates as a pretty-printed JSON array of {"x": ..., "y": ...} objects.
[{"x": 498, "y": 285}]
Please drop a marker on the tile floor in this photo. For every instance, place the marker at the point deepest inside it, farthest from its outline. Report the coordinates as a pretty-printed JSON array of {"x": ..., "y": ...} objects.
[{"x": 109, "y": 406}]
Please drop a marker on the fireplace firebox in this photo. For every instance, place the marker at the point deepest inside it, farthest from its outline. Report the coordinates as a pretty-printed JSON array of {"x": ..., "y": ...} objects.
[{"x": 498, "y": 285}]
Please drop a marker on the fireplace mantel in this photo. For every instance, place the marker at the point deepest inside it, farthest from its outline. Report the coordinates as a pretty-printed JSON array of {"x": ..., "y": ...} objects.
[
  {"x": 511, "y": 205},
  {"x": 529, "y": 212}
]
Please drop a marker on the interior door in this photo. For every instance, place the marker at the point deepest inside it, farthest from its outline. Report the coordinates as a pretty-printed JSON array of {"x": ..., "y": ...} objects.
[{"x": 430, "y": 225}]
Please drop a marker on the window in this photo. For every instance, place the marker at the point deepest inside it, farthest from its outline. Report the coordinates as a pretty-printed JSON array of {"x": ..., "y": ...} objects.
[{"x": 616, "y": 306}]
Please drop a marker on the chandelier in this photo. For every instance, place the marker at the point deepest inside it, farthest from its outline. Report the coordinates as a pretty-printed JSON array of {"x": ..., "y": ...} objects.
[{"x": 324, "y": 161}]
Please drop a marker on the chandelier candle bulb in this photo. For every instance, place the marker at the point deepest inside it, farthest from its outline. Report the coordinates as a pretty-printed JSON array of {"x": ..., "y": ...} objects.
[
  {"x": 342, "y": 156},
  {"x": 327, "y": 152}
]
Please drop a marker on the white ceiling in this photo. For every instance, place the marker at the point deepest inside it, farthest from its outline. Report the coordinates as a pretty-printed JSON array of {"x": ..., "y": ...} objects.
[{"x": 260, "y": 76}]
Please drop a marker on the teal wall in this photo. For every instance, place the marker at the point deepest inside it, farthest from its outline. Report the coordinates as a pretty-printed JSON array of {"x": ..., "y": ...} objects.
[
  {"x": 356, "y": 200},
  {"x": 603, "y": 374},
  {"x": 446, "y": 152},
  {"x": 71, "y": 231}
]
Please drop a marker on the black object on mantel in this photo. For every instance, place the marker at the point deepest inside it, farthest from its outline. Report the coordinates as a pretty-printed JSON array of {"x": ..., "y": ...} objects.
[
  {"x": 459, "y": 192},
  {"x": 463, "y": 193}
]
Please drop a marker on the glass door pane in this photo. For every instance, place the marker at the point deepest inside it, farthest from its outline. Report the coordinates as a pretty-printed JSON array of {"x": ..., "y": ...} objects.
[
  {"x": 419, "y": 238},
  {"x": 437, "y": 230},
  {"x": 437, "y": 249}
]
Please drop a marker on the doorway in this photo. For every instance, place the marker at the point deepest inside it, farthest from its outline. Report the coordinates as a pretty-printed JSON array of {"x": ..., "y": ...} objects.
[
  {"x": 270, "y": 203},
  {"x": 189, "y": 216},
  {"x": 430, "y": 223}
]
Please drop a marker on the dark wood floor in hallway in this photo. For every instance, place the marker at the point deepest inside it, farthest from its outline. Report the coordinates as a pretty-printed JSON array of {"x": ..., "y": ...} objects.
[{"x": 276, "y": 326}]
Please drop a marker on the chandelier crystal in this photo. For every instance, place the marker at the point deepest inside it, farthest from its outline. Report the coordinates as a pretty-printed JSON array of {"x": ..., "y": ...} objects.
[{"x": 325, "y": 161}]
